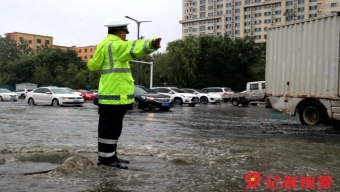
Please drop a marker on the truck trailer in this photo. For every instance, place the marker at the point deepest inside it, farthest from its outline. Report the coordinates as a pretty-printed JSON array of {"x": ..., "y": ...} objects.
[{"x": 302, "y": 69}]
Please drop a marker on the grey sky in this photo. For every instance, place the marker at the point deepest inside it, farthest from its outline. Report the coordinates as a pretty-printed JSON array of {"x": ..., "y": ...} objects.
[{"x": 81, "y": 22}]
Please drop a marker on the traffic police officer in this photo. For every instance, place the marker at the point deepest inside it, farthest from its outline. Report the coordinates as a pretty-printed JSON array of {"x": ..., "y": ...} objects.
[{"x": 116, "y": 86}]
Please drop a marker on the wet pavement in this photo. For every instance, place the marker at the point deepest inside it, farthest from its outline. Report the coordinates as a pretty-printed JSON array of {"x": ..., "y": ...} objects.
[{"x": 203, "y": 148}]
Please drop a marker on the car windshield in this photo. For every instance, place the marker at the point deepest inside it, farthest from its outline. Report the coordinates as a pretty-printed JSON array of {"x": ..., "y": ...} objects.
[
  {"x": 60, "y": 91},
  {"x": 179, "y": 91},
  {"x": 201, "y": 91},
  {"x": 139, "y": 90},
  {"x": 4, "y": 91}
]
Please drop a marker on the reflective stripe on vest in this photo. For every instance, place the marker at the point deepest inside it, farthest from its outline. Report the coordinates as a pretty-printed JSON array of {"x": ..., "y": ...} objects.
[
  {"x": 114, "y": 97},
  {"x": 112, "y": 69}
]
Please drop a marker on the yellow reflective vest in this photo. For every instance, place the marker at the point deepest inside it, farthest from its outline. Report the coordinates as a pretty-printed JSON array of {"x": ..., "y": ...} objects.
[{"x": 112, "y": 56}]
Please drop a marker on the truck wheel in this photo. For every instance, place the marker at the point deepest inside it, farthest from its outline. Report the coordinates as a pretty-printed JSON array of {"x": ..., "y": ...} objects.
[
  {"x": 244, "y": 102},
  {"x": 204, "y": 100},
  {"x": 235, "y": 102},
  {"x": 312, "y": 113}
]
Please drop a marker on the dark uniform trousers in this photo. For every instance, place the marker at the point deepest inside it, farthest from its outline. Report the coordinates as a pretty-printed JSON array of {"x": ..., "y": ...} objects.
[{"x": 109, "y": 130}]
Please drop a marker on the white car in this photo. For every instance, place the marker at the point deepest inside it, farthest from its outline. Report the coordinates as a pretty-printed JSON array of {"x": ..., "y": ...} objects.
[
  {"x": 179, "y": 96},
  {"x": 73, "y": 91},
  {"x": 53, "y": 96},
  {"x": 204, "y": 96},
  {"x": 7, "y": 95}
]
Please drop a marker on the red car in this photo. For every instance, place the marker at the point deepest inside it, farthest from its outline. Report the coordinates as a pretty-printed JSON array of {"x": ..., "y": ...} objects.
[{"x": 86, "y": 94}]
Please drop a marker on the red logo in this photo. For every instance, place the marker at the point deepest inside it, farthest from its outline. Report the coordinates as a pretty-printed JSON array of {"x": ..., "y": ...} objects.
[{"x": 289, "y": 181}]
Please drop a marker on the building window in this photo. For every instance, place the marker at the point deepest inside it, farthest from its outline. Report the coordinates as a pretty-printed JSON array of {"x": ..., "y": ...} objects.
[
  {"x": 228, "y": 19},
  {"x": 186, "y": 30},
  {"x": 195, "y": 10},
  {"x": 218, "y": 33},
  {"x": 289, "y": 3},
  {"x": 202, "y": 28},
  {"x": 228, "y": 26},
  {"x": 211, "y": 28},
  {"x": 257, "y": 14},
  {"x": 257, "y": 36},
  {"x": 29, "y": 41},
  {"x": 238, "y": 3},
  {"x": 278, "y": 20},
  {"x": 228, "y": 32},
  {"x": 38, "y": 40},
  {"x": 257, "y": 1},
  {"x": 237, "y": 31},
  {"x": 79, "y": 50},
  {"x": 312, "y": 15},
  {"x": 237, "y": 24},
  {"x": 47, "y": 42},
  {"x": 237, "y": 17},
  {"x": 312, "y": 1},
  {"x": 210, "y": 34},
  {"x": 91, "y": 49},
  {"x": 257, "y": 29},
  {"x": 210, "y": 1},
  {"x": 220, "y": 6},
  {"x": 194, "y": 23},
  {"x": 229, "y": 4},
  {"x": 247, "y": 2},
  {"x": 267, "y": 21},
  {"x": 301, "y": 9},
  {"x": 248, "y": 9},
  {"x": 210, "y": 7},
  {"x": 21, "y": 39},
  {"x": 247, "y": 16},
  {"x": 247, "y": 31},
  {"x": 247, "y": 23},
  {"x": 228, "y": 12},
  {"x": 194, "y": 3},
  {"x": 194, "y": 16},
  {"x": 237, "y": 10},
  {"x": 219, "y": 20},
  {"x": 202, "y": 22},
  {"x": 258, "y": 8},
  {"x": 289, "y": 10},
  {"x": 202, "y": 15},
  {"x": 313, "y": 7},
  {"x": 267, "y": 13},
  {"x": 278, "y": 12},
  {"x": 301, "y": 17},
  {"x": 210, "y": 21},
  {"x": 85, "y": 57},
  {"x": 219, "y": 26},
  {"x": 301, "y": 1},
  {"x": 194, "y": 29},
  {"x": 91, "y": 56},
  {"x": 210, "y": 14},
  {"x": 202, "y": 2},
  {"x": 268, "y": 6},
  {"x": 278, "y": 5},
  {"x": 202, "y": 8},
  {"x": 333, "y": 5},
  {"x": 220, "y": 13}
]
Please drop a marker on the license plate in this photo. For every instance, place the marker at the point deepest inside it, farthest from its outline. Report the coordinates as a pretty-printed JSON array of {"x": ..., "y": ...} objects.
[
  {"x": 76, "y": 101},
  {"x": 165, "y": 104},
  {"x": 196, "y": 100}
]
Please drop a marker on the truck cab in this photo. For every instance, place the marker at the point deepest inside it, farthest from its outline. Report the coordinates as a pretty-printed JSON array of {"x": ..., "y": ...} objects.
[{"x": 256, "y": 91}]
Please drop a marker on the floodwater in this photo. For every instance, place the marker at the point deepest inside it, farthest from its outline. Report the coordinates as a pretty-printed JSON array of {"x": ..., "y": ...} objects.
[{"x": 203, "y": 148}]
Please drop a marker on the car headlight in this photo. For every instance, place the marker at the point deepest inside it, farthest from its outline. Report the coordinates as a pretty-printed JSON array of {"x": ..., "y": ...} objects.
[{"x": 148, "y": 98}]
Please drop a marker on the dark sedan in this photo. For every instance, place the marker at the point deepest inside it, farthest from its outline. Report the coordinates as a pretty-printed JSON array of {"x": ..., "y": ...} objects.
[{"x": 147, "y": 99}]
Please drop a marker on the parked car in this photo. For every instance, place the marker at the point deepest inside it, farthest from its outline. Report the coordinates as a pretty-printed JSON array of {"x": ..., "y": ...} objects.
[
  {"x": 7, "y": 95},
  {"x": 179, "y": 96},
  {"x": 222, "y": 91},
  {"x": 94, "y": 91},
  {"x": 86, "y": 94},
  {"x": 53, "y": 96},
  {"x": 205, "y": 97},
  {"x": 21, "y": 93},
  {"x": 146, "y": 98},
  {"x": 73, "y": 91}
]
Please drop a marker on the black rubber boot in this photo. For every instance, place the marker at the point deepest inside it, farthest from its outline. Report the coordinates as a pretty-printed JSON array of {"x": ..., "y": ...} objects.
[
  {"x": 114, "y": 164},
  {"x": 122, "y": 160}
]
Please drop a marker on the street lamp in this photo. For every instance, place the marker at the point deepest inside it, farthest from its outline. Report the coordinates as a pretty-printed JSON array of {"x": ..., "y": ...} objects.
[{"x": 138, "y": 24}]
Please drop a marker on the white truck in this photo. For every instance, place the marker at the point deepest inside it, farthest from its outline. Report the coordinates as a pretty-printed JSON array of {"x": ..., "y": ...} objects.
[
  {"x": 302, "y": 69},
  {"x": 254, "y": 93}
]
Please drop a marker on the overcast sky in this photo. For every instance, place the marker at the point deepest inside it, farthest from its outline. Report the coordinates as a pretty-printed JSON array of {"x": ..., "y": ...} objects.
[{"x": 81, "y": 22}]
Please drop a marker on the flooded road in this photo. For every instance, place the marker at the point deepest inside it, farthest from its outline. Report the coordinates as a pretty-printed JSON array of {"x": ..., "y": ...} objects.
[{"x": 202, "y": 148}]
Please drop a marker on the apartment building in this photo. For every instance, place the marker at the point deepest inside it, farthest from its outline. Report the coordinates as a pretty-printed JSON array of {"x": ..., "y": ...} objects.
[
  {"x": 85, "y": 53},
  {"x": 34, "y": 41},
  {"x": 240, "y": 18}
]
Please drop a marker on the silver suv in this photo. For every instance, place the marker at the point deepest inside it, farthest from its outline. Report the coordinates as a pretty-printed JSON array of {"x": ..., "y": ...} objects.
[
  {"x": 222, "y": 91},
  {"x": 22, "y": 93}
]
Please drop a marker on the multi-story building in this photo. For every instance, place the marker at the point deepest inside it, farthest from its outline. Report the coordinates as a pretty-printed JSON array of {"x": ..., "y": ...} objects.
[
  {"x": 36, "y": 41},
  {"x": 240, "y": 18},
  {"x": 85, "y": 53}
]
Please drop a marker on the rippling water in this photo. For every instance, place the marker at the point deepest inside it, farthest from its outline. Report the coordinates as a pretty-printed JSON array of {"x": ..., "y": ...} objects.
[{"x": 202, "y": 148}]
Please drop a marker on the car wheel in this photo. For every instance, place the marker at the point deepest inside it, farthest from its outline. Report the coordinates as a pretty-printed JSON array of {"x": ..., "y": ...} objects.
[
  {"x": 204, "y": 100},
  {"x": 178, "y": 101},
  {"x": 235, "y": 102},
  {"x": 31, "y": 102},
  {"x": 136, "y": 104},
  {"x": 1, "y": 99},
  {"x": 55, "y": 102}
]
